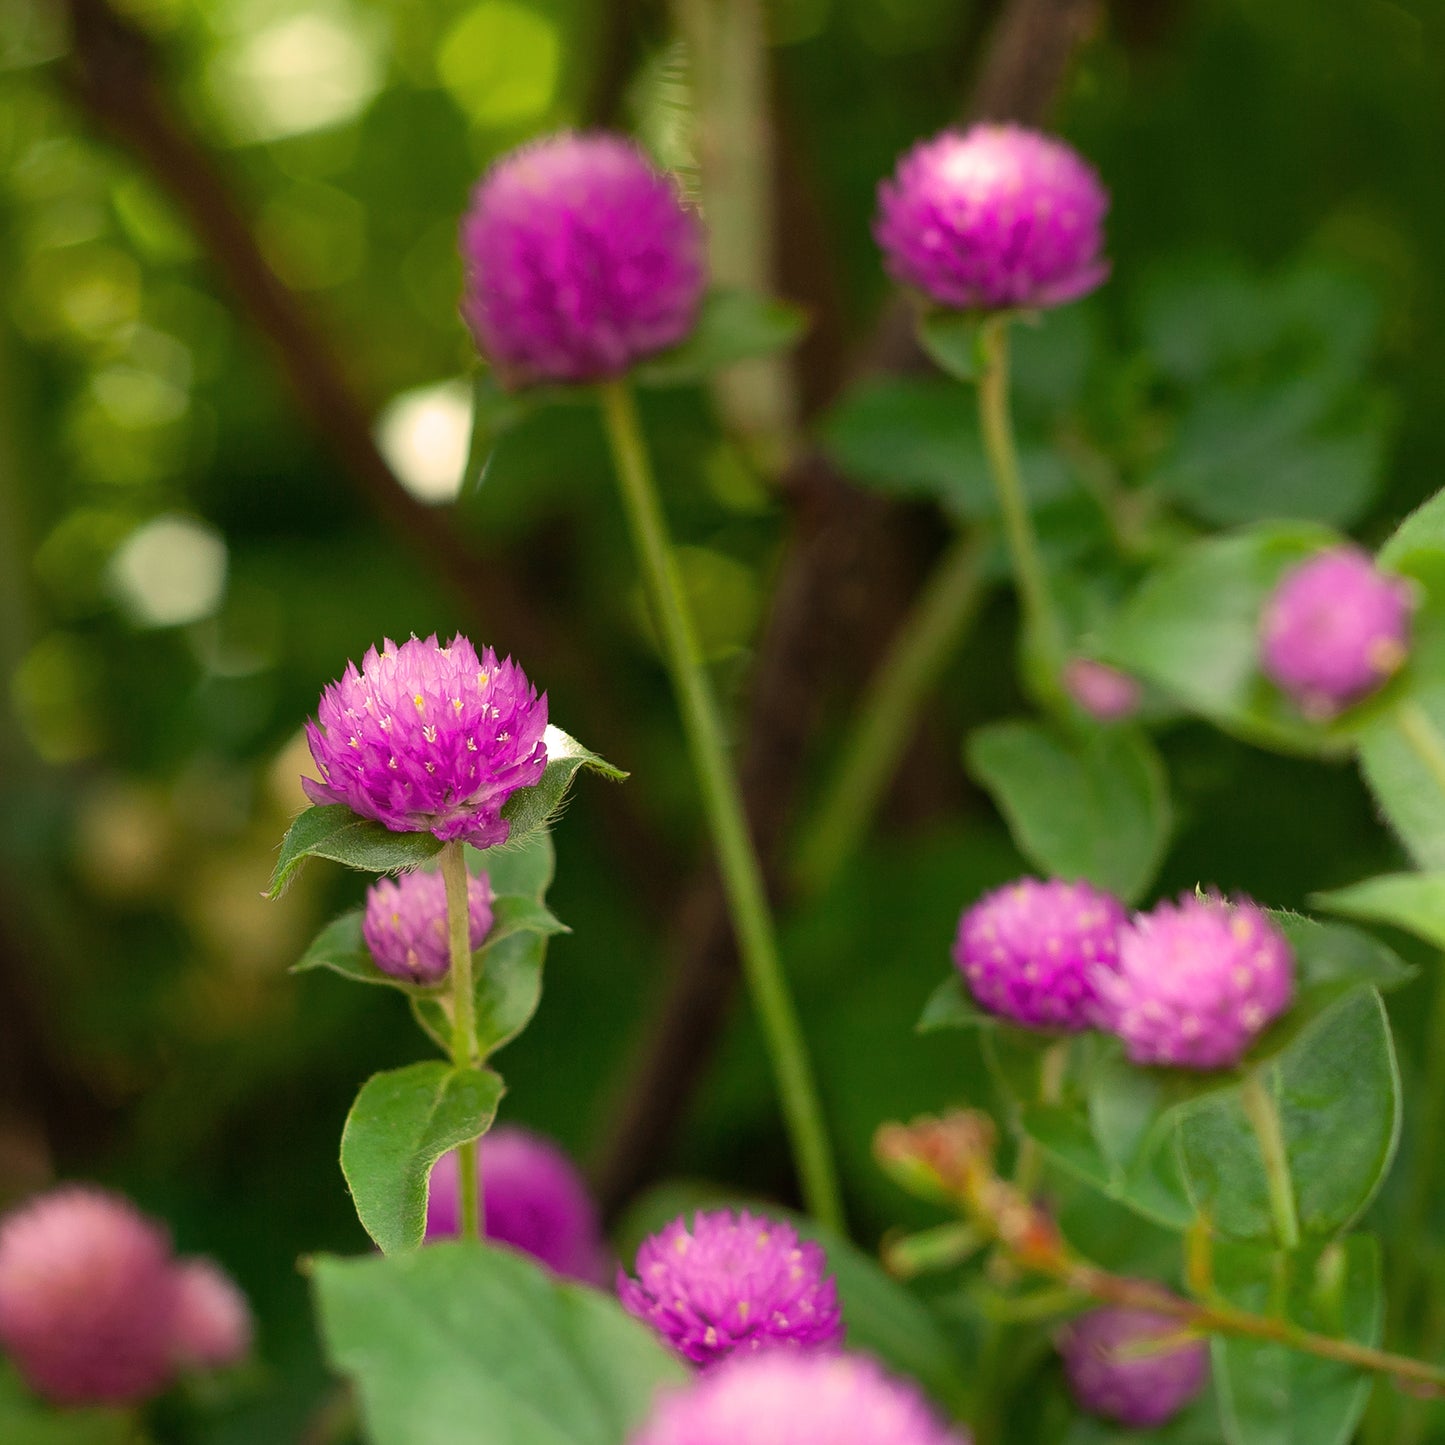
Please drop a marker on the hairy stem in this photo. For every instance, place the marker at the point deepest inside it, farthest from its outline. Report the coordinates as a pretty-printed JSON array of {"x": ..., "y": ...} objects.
[
  {"x": 464, "y": 1021},
  {"x": 1263, "y": 1115},
  {"x": 1041, "y": 622},
  {"x": 922, "y": 648},
  {"x": 738, "y": 863}
]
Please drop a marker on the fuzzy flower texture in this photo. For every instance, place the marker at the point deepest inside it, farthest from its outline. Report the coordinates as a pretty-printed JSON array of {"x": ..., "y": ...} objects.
[
  {"x": 1335, "y": 629},
  {"x": 733, "y": 1284},
  {"x": 1197, "y": 982},
  {"x": 994, "y": 218},
  {"x": 429, "y": 739},
  {"x": 580, "y": 260},
  {"x": 96, "y": 1310},
  {"x": 535, "y": 1200},
  {"x": 405, "y": 923},
  {"x": 796, "y": 1399},
  {"x": 1032, "y": 952},
  {"x": 1130, "y": 1366}
]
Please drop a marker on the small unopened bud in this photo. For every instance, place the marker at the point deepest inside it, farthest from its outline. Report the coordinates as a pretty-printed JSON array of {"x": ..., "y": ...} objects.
[
  {"x": 1133, "y": 1366},
  {"x": 213, "y": 1321}
]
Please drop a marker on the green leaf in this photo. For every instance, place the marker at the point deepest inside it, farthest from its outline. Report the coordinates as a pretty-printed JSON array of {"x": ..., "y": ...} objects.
[
  {"x": 525, "y": 866},
  {"x": 1337, "y": 1091},
  {"x": 529, "y": 809},
  {"x": 1192, "y": 629},
  {"x": 1096, "y": 807},
  {"x": 25, "y": 1420},
  {"x": 951, "y": 1006},
  {"x": 401, "y": 1123},
  {"x": 464, "y": 1342},
  {"x": 331, "y": 830},
  {"x": 495, "y": 412},
  {"x": 341, "y": 948},
  {"x": 950, "y": 339},
  {"x": 1412, "y": 901},
  {"x": 1420, "y": 538},
  {"x": 1272, "y": 1395},
  {"x": 733, "y": 326}
]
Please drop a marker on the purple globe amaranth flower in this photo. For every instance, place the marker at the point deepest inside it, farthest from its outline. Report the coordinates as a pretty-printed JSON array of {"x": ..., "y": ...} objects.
[
  {"x": 1196, "y": 982},
  {"x": 87, "y": 1298},
  {"x": 1031, "y": 951},
  {"x": 733, "y": 1284},
  {"x": 791, "y": 1398},
  {"x": 212, "y": 1324},
  {"x": 1102, "y": 691},
  {"x": 536, "y": 1200},
  {"x": 580, "y": 258},
  {"x": 1116, "y": 1366},
  {"x": 994, "y": 218},
  {"x": 1334, "y": 629},
  {"x": 405, "y": 923},
  {"x": 429, "y": 739}
]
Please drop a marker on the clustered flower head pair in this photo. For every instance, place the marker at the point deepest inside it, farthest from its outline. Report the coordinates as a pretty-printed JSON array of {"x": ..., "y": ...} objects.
[
  {"x": 96, "y": 1309},
  {"x": 1190, "y": 984}
]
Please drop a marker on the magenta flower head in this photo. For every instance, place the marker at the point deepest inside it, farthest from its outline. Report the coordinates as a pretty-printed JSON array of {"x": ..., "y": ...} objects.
[
  {"x": 580, "y": 258},
  {"x": 429, "y": 739},
  {"x": 1334, "y": 629},
  {"x": 788, "y": 1398},
  {"x": 536, "y": 1200},
  {"x": 1131, "y": 1366},
  {"x": 996, "y": 218},
  {"x": 212, "y": 1326},
  {"x": 1196, "y": 982},
  {"x": 734, "y": 1284},
  {"x": 1103, "y": 692},
  {"x": 87, "y": 1298},
  {"x": 1031, "y": 952},
  {"x": 405, "y": 923}
]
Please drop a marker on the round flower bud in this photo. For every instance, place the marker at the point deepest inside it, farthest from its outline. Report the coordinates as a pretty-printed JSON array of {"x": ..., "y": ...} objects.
[
  {"x": 429, "y": 739},
  {"x": 405, "y": 924},
  {"x": 87, "y": 1298},
  {"x": 1116, "y": 1368},
  {"x": 212, "y": 1327},
  {"x": 535, "y": 1198},
  {"x": 733, "y": 1284},
  {"x": 1334, "y": 629},
  {"x": 996, "y": 218},
  {"x": 580, "y": 258},
  {"x": 791, "y": 1398},
  {"x": 1196, "y": 982},
  {"x": 1102, "y": 691},
  {"x": 1031, "y": 952}
]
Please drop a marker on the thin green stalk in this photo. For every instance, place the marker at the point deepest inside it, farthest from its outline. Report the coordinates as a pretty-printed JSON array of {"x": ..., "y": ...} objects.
[
  {"x": 742, "y": 874},
  {"x": 464, "y": 1021},
  {"x": 1263, "y": 1115},
  {"x": 929, "y": 637},
  {"x": 1040, "y": 619},
  {"x": 1053, "y": 1068}
]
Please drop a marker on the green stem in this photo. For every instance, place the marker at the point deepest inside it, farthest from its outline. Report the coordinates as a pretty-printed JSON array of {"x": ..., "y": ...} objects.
[
  {"x": 742, "y": 874},
  {"x": 1263, "y": 1115},
  {"x": 1052, "y": 1069},
  {"x": 929, "y": 637},
  {"x": 464, "y": 1022},
  {"x": 1040, "y": 619}
]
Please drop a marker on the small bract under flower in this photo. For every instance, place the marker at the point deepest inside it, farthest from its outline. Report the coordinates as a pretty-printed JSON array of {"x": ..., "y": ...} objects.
[
  {"x": 996, "y": 218},
  {"x": 429, "y": 739},
  {"x": 405, "y": 924},
  {"x": 1102, "y": 691},
  {"x": 1197, "y": 982},
  {"x": 1032, "y": 952},
  {"x": 1335, "y": 629},
  {"x": 581, "y": 259},
  {"x": 535, "y": 1199},
  {"x": 1117, "y": 1368},
  {"x": 790, "y": 1398},
  {"x": 731, "y": 1284}
]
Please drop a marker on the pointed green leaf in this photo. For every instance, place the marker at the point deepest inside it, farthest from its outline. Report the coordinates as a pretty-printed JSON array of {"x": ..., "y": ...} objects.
[
  {"x": 465, "y": 1342},
  {"x": 951, "y": 340},
  {"x": 341, "y": 948},
  {"x": 330, "y": 830},
  {"x": 1412, "y": 901},
  {"x": 522, "y": 867},
  {"x": 26, "y": 1420},
  {"x": 733, "y": 326},
  {"x": 495, "y": 411},
  {"x": 951, "y": 1006},
  {"x": 529, "y": 809},
  {"x": 401, "y": 1123},
  {"x": 1094, "y": 807}
]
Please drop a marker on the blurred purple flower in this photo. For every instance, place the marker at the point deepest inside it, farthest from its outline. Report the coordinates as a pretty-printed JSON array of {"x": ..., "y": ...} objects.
[
  {"x": 1116, "y": 1370},
  {"x": 733, "y": 1284},
  {"x": 1102, "y": 691},
  {"x": 1031, "y": 952},
  {"x": 581, "y": 259},
  {"x": 212, "y": 1326},
  {"x": 428, "y": 738},
  {"x": 405, "y": 924},
  {"x": 994, "y": 218}
]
